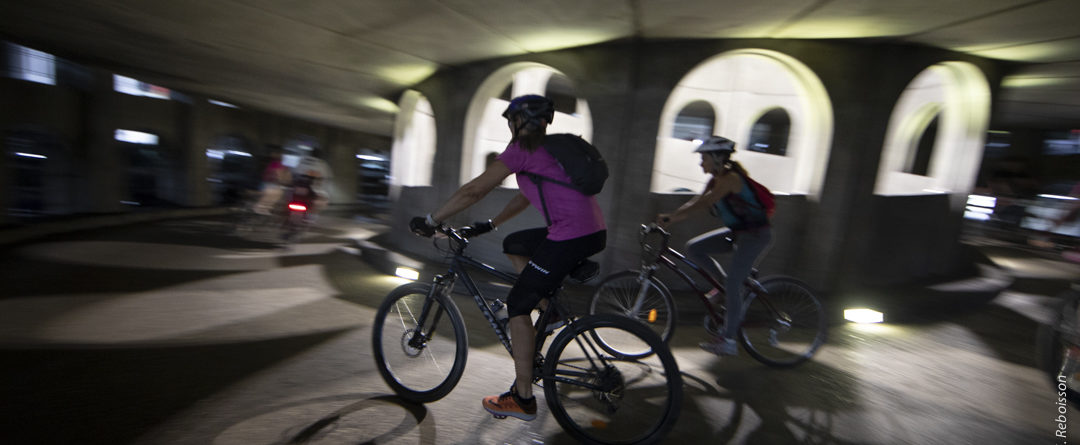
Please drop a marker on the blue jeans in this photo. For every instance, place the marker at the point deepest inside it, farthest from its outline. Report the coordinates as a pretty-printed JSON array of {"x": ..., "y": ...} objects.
[{"x": 746, "y": 247}]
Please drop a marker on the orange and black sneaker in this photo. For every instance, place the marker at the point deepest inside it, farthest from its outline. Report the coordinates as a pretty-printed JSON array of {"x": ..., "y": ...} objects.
[{"x": 510, "y": 404}]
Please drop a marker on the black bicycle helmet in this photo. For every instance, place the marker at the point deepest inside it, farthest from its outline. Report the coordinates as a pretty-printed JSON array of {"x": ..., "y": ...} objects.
[
  {"x": 716, "y": 145},
  {"x": 532, "y": 106}
]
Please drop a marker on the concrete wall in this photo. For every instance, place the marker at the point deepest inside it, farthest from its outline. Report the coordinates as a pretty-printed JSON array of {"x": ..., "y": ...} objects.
[
  {"x": 847, "y": 239},
  {"x": 92, "y": 167}
]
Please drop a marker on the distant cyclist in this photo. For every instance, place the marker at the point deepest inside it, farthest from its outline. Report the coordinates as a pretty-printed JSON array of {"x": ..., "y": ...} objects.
[
  {"x": 576, "y": 231},
  {"x": 314, "y": 173},
  {"x": 746, "y": 235},
  {"x": 274, "y": 178}
]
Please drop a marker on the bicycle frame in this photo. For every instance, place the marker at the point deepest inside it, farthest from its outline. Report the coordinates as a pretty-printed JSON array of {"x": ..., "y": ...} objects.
[
  {"x": 666, "y": 260},
  {"x": 458, "y": 269},
  {"x": 459, "y": 265},
  {"x": 672, "y": 258}
]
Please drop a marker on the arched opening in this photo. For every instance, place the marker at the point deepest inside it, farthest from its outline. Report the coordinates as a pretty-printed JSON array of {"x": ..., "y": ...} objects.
[
  {"x": 37, "y": 173},
  {"x": 694, "y": 122},
  {"x": 485, "y": 128},
  {"x": 232, "y": 168},
  {"x": 919, "y": 158},
  {"x": 372, "y": 176},
  {"x": 414, "y": 143},
  {"x": 770, "y": 104},
  {"x": 144, "y": 165},
  {"x": 934, "y": 142},
  {"x": 770, "y": 133}
]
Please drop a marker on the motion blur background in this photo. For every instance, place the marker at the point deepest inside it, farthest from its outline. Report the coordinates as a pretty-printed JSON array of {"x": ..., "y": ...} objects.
[{"x": 892, "y": 131}]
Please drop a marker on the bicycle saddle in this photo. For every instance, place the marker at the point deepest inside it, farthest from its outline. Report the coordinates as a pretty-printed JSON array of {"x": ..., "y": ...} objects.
[{"x": 585, "y": 271}]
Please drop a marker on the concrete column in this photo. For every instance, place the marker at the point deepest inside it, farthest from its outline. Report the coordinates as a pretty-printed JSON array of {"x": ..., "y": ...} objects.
[
  {"x": 106, "y": 165},
  {"x": 6, "y": 176},
  {"x": 199, "y": 133}
]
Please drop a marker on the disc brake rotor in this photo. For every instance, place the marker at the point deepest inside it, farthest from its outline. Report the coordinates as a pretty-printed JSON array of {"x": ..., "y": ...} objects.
[{"x": 406, "y": 347}]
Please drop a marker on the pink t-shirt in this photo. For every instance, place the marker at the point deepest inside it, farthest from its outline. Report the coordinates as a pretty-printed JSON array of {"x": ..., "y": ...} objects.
[{"x": 572, "y": 213}]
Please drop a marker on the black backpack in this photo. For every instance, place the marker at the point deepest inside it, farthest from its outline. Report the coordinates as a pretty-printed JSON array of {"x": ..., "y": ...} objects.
[{"x": 580, "y": 160}]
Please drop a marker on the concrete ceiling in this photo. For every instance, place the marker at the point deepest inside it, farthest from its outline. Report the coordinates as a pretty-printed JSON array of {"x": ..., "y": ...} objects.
[{"x": 342, "y": 62}]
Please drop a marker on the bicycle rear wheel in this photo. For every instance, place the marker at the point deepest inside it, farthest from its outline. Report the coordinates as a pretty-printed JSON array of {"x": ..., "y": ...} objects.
[
  {"x": 785, "y": 327},
  {"x": 419, "y": 342},
  {"x": 617, "y": 295},
  {"x": 604, "y": 399}
]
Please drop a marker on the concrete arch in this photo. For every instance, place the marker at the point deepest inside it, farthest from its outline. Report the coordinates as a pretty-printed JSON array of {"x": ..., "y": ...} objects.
[
  {"x": 959, "y": 94},
  {"x": 413, "y": 148},
  {"x": 485, "y": 128},
  {"x": 742, "y": 85}
]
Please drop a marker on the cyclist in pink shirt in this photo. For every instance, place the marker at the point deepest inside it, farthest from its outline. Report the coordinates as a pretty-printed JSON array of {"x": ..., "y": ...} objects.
[
  {"x": 274, "y": 178},
  {"x": 545, "y": 256}
]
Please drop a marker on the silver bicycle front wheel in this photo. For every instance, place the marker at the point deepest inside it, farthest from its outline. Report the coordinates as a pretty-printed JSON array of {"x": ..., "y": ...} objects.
[{"x": 621, "y": 294}]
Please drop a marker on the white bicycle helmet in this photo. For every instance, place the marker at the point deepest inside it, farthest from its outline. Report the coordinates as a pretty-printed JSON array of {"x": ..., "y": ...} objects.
[{"x": 716, "y": 145}]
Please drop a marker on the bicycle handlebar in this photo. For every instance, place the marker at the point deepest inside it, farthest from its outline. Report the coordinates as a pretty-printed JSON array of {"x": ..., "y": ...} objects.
[
  {"x": 651, "y": 250},
  {"x": 649, "y": 228},
  {"x": 459, "y": 242}
]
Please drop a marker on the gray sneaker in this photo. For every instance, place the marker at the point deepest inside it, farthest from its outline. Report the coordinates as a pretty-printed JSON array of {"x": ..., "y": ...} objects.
[{"x": 720, "y": 346}]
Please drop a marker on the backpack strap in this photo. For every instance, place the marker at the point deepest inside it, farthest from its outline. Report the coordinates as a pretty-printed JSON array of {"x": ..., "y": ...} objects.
[
  {"x": 539, "y": 181},
  {"x": 536, "y": 178},
  {"x": 746, "y": 183}
]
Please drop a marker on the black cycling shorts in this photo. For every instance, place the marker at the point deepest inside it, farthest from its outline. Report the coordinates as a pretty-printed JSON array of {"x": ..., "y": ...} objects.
[{"x": 550, "y": 262}]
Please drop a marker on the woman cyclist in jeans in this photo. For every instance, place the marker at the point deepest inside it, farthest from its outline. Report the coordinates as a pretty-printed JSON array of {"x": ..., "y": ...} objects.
[
  {"x": 576, "y": 231},
  {"x": 747, "y": 233}
]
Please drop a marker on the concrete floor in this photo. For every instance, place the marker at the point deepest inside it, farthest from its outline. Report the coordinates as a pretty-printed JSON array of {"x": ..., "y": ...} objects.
[{"x": 181, "y": 332}]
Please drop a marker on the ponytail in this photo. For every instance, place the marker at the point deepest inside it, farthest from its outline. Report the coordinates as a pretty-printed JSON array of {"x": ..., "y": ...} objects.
[{"x": 733, "y": 165}]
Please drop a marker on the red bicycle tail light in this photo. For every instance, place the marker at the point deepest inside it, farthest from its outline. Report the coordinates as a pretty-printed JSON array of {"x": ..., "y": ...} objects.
[{"x": 297, "y": 207}]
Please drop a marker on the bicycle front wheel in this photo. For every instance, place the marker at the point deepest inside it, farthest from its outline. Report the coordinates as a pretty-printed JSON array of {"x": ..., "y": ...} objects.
[
  {"x": 419, "y": 342},
  {"x": 618, "y": 294},
  {"x": 786, "y": 326},
  {"x": 604, "y": 399}
]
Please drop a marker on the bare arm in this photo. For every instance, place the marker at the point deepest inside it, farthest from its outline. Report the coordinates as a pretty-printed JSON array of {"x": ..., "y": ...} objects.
[
  {"x": 513, "y": 208},
  {"x": 473, "y": 191},
  {"x": 723, "y": 185}
]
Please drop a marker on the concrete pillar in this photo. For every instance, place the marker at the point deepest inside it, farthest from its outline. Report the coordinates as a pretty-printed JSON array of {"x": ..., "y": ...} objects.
[
  {"x": 106, "y": 166},
  {"x": 198, "y": 134}
]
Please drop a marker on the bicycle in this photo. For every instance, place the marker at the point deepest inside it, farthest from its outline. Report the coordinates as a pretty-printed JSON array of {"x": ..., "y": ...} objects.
[
  {"x": 420, "y": 347},
  {"x": 784, "y": 323}
]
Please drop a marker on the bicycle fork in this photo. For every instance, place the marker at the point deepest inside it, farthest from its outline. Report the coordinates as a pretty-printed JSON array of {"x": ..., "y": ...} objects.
[
  {"x": 419, "y": 338},
  {"x": 643, "y": 289}
]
